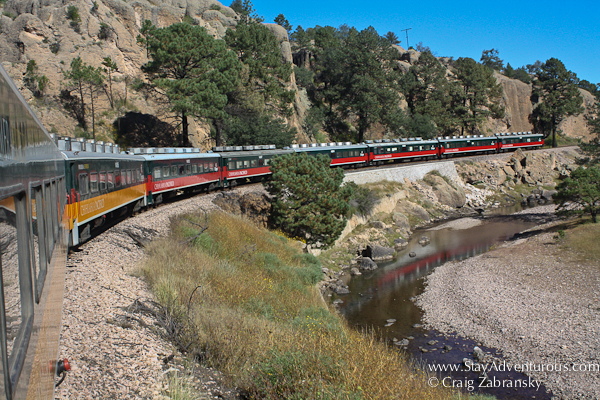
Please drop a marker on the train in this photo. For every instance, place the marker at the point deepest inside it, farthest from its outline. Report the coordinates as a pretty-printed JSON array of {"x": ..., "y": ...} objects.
[
  {"x": 33, "y": 250},
  {"x": 55, "y": 192},
  {"x": 104, "y": 182}
]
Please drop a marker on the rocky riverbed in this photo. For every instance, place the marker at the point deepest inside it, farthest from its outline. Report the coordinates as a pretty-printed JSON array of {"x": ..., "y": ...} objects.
[{"x": 532, "y": 301}]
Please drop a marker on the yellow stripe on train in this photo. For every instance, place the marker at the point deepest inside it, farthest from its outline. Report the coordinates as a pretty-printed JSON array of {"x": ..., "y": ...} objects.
[{"x": 102, "y": 204}]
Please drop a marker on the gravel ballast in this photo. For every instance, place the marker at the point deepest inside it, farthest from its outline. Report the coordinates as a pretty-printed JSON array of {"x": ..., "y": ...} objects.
[{"x": 527, "y": 298}]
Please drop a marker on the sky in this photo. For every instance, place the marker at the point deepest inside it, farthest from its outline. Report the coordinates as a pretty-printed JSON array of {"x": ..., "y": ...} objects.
[{"x": 522, "y": 31}]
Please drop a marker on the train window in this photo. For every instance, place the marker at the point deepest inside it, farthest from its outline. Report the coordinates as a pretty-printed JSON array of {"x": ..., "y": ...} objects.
[
  {"x": 410, "y": 148},
  {"x": 206, "y": 167},
  {"x": 54, "y": 209},
  {"x": 239, "y": 164},
  {"x": 345, "y": 154},
  {"x": 166, "y": 171},
  {"x": 110, "y": 179},
  {"x": 261, "y": 162},
  {"x": 16, "y": 291},
  {"x": 156, "y": 173},
  {"x": 231, "y": 165},
  {"x": 267, "y": 160},
  {"x": 47, "y": 215},
  {"x": 93, "y": 182},
  {"x": 102, "y": 180},
  {"x": 173, "y": 170},
  {"x": 200, "y": 168},
  {"x": 38, "y": 253},
  {"x": 84, "y": 184},
  {"x": 129, "y": 176},
  {"x": 246, "y": 163},
  {"x": 528, "y": 140},
  {"x": 188, "y": 169},
  {"x": 253, "y": 163},
  {"x": 181, "y": 169},
  {"x": 194, "y": 168}
]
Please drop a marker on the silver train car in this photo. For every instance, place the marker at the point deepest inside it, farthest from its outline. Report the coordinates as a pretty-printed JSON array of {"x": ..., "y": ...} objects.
[{"x": 33, "y": 250}]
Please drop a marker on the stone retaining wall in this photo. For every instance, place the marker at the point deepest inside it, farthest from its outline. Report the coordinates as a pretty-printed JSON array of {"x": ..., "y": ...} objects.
[{"x": 400, "y": 173}]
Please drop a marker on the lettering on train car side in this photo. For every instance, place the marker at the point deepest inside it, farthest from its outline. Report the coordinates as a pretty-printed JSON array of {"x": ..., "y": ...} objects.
[
  {"x": 92, "y": 206},
  {"x": 164, "y": 185},
  {"x": 238, "y": 173}
]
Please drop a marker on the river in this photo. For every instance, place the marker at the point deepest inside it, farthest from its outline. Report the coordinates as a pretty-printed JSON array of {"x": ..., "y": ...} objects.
[{"x": 386, "y": 294}]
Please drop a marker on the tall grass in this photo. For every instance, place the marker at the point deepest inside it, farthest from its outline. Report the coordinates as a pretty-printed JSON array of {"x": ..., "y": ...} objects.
[{"x": 249, "y": 300}]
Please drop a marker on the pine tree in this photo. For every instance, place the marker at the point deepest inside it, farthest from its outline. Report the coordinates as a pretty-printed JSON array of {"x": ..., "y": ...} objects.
[
  {"x": 193, "y": 70},
  {"x": 580, "y": 192},
  {"x": 310, "y": 203},
  {"x": 557, "y": 97},
  {"x": 478, "y": 95}
]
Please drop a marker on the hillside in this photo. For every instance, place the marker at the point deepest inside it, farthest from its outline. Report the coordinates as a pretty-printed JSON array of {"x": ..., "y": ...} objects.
[{"x": 41, "y": 31}]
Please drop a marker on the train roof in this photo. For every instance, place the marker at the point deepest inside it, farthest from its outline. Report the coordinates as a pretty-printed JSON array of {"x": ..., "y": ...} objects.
[
  {"x": 171, "y": 153},
  {"x": 399, "y": 141},
  {"x": 82, "y": 155},
  {"x": 254, "y": 153},
  {"x": 522, "y": 134},
  {"x": 326, "y": 146},
  {"x": 467, "y": 137}
]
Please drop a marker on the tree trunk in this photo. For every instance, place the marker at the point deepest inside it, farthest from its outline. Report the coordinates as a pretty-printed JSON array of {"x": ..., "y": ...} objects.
[
  {"x": 554, "y": 144},
  {"x": 185, "y": 140},
  {"x": 219, "y": 132},
  {"x": 93, "y": 112},
  {"x": 594, "y": 217}
]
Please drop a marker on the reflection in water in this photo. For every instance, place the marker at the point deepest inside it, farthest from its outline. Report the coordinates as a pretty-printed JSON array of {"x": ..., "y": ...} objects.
[{"x": 386, "y": 292}]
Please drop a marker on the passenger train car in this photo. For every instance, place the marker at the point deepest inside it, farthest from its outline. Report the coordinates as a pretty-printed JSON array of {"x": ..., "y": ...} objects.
[{"x": 33, "y": 250}]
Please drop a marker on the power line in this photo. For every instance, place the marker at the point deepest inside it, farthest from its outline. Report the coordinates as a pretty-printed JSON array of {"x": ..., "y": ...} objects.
[{"x": 406, "y": 30}]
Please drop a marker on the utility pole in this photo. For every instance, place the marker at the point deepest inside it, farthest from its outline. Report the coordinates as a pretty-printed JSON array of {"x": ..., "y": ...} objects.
[{"x": 406, "y": 30}]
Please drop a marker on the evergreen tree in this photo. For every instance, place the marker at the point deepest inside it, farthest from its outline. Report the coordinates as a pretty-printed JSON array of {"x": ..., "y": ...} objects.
[
  {"x": 111, "y": 67},
  {"x": 509, "y": 71},
  {"x": 477, "y": 95},
  {"x": 265, "y": 72},
  {"x": 426, "y": 91},
  {"x": 309, "y": 201},
  {"x": 392, "y": 38},
  {"x": 282, "y": 21},
  {"x": 255, "y": 128},
  {"x": 522, "y": 75},
  {"x": 556, "y": 95},
  {"x": 580, "y": 192},
  {"x": 591, "y": 150},
  {"x": 193, "y": 70},
  {"x": 490, "y": 59},
  {"x": 76, "y": 77},
  {"x": 357, "y": 78}
]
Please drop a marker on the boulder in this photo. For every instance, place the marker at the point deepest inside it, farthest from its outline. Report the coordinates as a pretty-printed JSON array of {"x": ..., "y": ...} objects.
[
  {"x": 378, "y": 253},
  {"x": 366, "y": 264},
  {"x": 378, "y": 225},
  {"x": 355, "y": 271},
  {"x": 447, "y": 194},
  {"x": 401, "y": 221},
  {"x": 424, "y": 241},
  {"x": 409, "y": 208},
  {"x": 400, "y": 244},
  {"x": 547, "y": 194}
]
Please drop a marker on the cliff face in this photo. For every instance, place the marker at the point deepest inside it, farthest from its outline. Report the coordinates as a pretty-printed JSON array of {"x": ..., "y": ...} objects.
[{"x": 42, "y": 32}]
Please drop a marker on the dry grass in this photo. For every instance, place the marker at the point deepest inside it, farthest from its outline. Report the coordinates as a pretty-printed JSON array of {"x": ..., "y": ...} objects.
[
  {"x": 253, "y": 312},
  {"x": 582, "y": 242}
]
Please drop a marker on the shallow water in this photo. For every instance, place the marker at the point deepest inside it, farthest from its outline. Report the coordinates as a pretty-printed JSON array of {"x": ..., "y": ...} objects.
[{"x": 386, "y": 294}]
